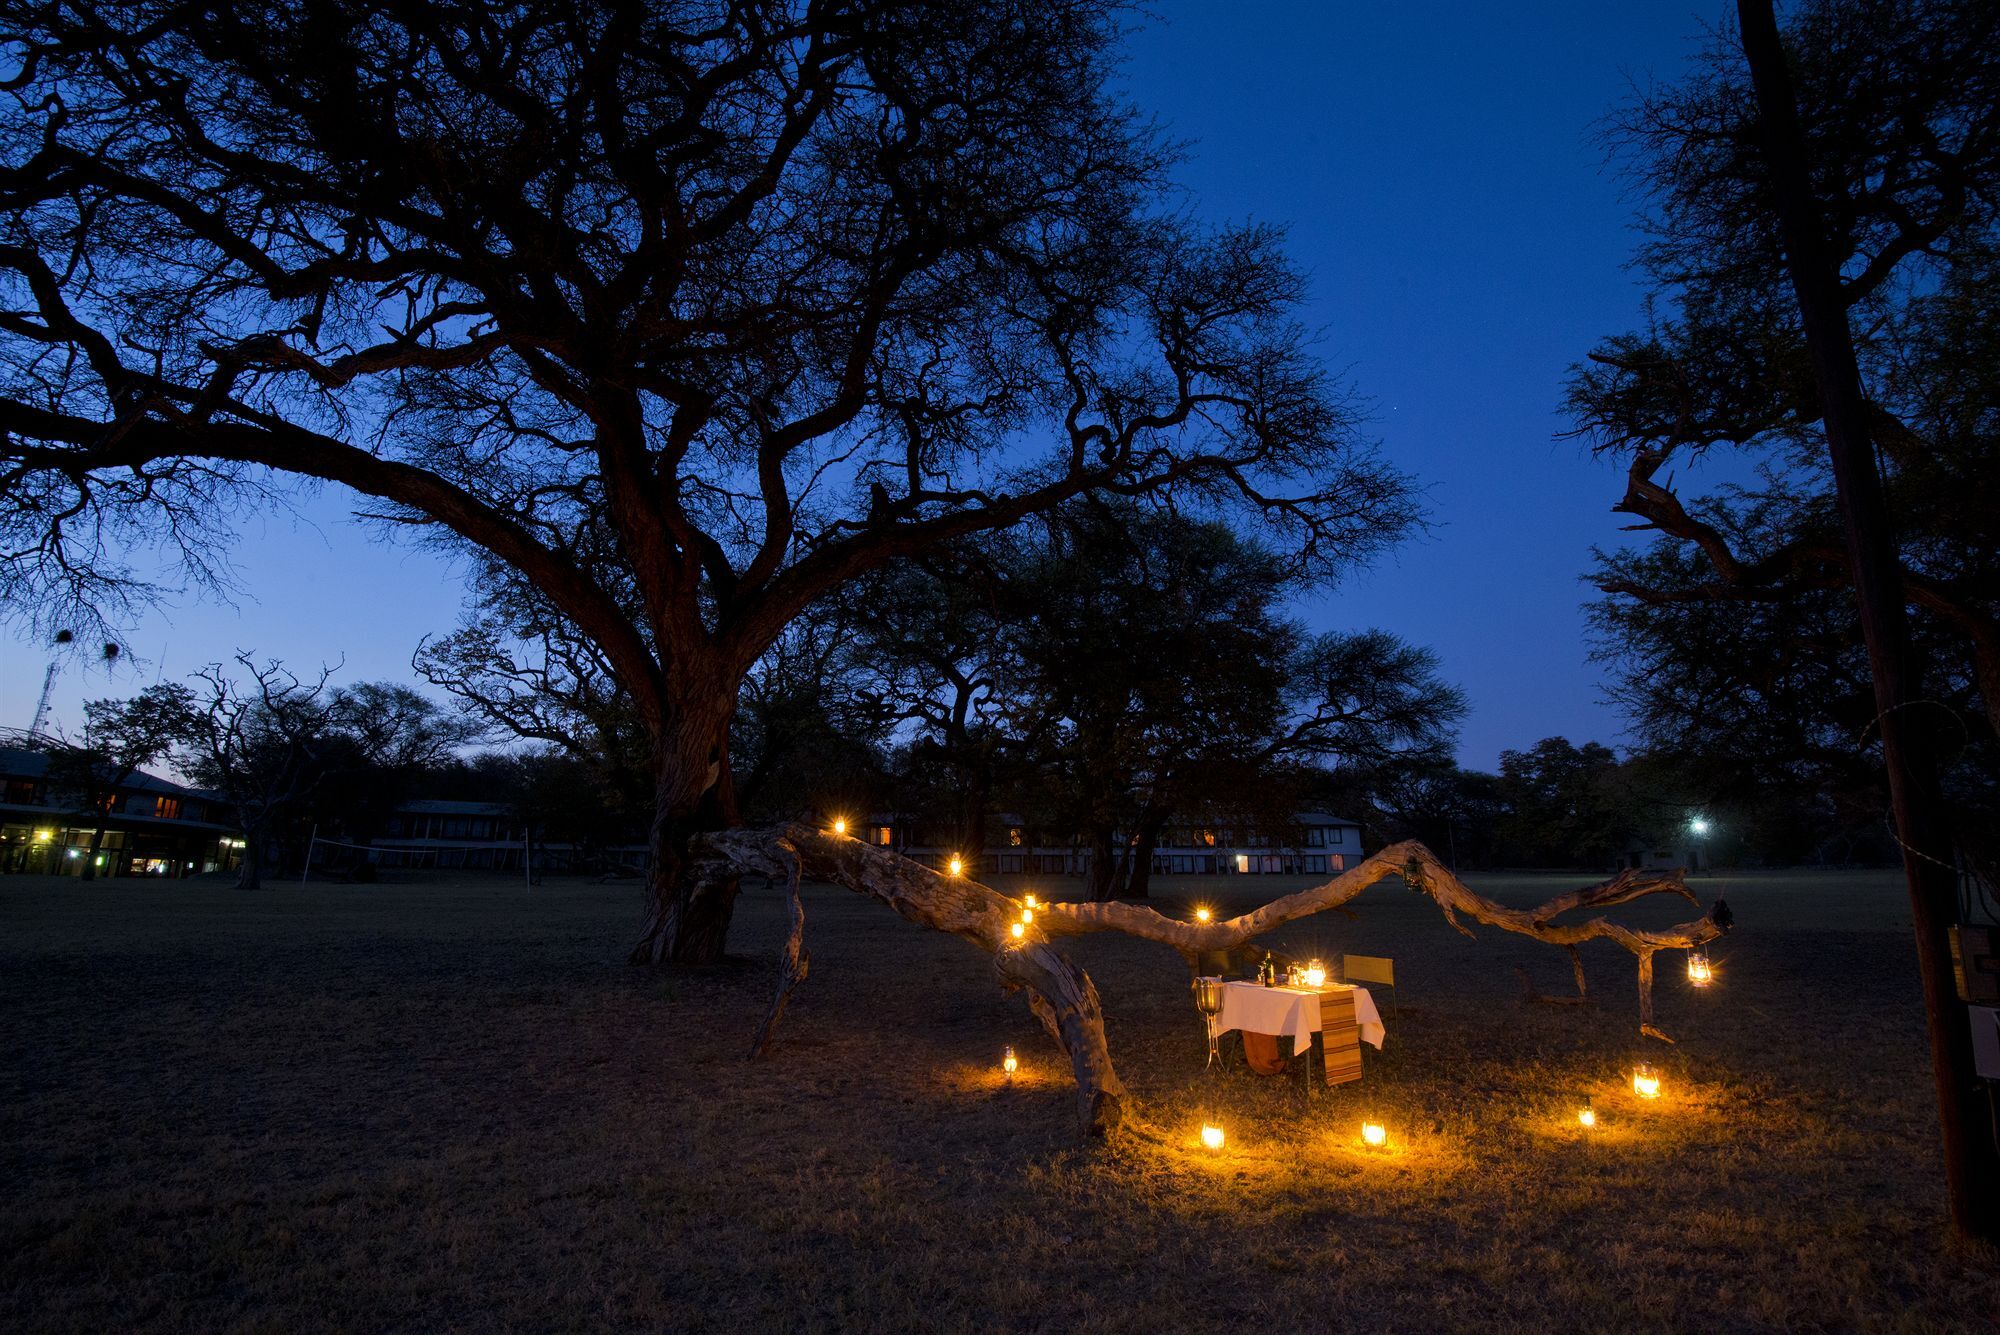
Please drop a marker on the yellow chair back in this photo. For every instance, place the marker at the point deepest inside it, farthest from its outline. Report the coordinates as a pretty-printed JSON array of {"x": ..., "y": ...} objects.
[{"x": 1367, "y": 969}]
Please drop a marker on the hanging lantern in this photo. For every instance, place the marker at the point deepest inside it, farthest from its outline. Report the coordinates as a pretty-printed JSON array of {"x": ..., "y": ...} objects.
[
  {"x": 1009, "y": 1064},
  {"x": 1020, "y": 929},
  {"x": 1374, "y": 1134},
  {"x": 957, "y": 864},
  {"x": 1027, "y": 915},
  {"x": 840, "y": 825},
  {"x": 1586, "y": 1116},
  {"x": 1211, "y": 1135},
  {"x": 1700, "y": 973},
  {"x": 1315, "y": 975},
  {"x": 1032, "y": 902},
  {"x": 1645, "y": 1081},
  {"x": 1202, "y": 914}
]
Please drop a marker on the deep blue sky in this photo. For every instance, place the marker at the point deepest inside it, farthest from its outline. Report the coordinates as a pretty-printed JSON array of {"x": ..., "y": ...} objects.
[{"x": 1436, "y": 168}]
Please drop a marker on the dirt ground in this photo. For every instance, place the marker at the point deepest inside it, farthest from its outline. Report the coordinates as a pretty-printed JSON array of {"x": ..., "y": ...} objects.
[{"x": 450, "y": 1105}]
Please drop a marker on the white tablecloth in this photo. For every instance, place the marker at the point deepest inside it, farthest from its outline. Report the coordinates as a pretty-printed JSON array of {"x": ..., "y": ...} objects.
[{"x": 1290, "y": 1010}]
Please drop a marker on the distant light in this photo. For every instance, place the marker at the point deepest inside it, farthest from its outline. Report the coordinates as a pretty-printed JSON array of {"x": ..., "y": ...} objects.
[
  {"x": 1375, "y": 1134},
  {"x": 1211, "y": 1136},
  {"x": 1698, "y": 825},
  {"x": 1032, "y": 902},
  {"x": 1202, "y": 914},
  {"x": 1027, "y": 915},
  {"x": 1009, "y": 1064},
  {"x": 1586, "y": 1116},
  {"x": 957, "y": 864},
  {"x": 75, "y": 853},
  {"x": 840, "y": 825},
  {"x": 1020, "y": 929},
  {"x": 43, "y": 836}
]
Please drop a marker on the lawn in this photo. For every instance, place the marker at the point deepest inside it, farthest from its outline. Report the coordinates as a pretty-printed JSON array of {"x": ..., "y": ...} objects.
[{"x": 451, "y": 1105}]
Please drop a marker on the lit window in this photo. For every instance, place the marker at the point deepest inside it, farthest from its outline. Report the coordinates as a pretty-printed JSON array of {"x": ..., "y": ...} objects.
[
  {"x": 167, "y": 808},
  {"x": 882, "y": 833},
  {"x": 1014, "y": 836}
]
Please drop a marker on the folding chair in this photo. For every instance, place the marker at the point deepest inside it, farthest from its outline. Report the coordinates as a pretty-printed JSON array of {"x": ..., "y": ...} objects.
[{"x": 1370, "y": 969}]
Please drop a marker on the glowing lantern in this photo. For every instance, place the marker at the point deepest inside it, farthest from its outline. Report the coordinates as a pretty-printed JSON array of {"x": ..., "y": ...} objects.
[
  {"x": 43, "y": 836},
  {"x": 1020, "y": 929},
  {"x": 1375, "y": 1134},
  {"x": 1202, "y": 914},
  {"x": 1315, "y": 975},
  {"x": 957, "y": 864},
  {"x": 1699, "y": 972},
  {"x": 1027, "y": 915},
  {"x": 1009, "y": 1064},
  {"x": 1586, "y": 1116},
  {"x": 1645, "y": 1081},
  {"x": 840, "y": 825},
  {"x": 1032, "y": 902},
  {"x": 1211, "y": 1136}
]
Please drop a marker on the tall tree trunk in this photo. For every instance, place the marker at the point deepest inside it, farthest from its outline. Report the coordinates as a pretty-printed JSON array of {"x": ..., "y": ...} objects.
[
  {"x": 1972, "y": 1160},
  {"x": 96, "y": 844},
  {"x": 687, "y": 918},
  {"x": 1103, "y": 862},
  {"x": 1139, "y": 884}
]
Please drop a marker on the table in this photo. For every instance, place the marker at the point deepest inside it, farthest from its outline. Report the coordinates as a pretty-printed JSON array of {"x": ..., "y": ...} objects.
[{"x": 1295, "y": 1011}]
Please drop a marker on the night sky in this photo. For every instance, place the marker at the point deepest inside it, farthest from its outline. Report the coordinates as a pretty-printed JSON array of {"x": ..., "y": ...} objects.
[{"x": 1466, "y": 242}]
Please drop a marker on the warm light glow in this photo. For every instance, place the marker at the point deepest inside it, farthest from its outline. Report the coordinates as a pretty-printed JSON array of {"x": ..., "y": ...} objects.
[
  {"x": 1027, "y": 915},
  {"x": 43, "y": 836},
  {"x": 957, "y": 864},
  {"x": 1009, "y": 1064},
  {"x": 1699, "y": 971},
  {"x": 1375, "y": 1134},
  {"x": 1211, "y": 1136},
  {"x": 840, "y": 825},
  {"x": 1315, "y": 975},
  {"x": 1645, "y": 1081},
  {"x": 1032, "y": 902},
  {"x": 1202, "y": 914},
  {"x": 1586, "y": 1116},
  {"x": 1020, "y": 930}
]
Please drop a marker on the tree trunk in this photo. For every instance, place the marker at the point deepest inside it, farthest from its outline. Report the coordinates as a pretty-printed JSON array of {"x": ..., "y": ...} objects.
[
  {"x": 1140, "y": 883},
  {"x": 96, "y": 844},
  {"x": 249, "y": 872},
  {"x": 1103, "y": 863},
  {"x": 687, "y": 919},
  {"x": 1972, "y": 1159}
]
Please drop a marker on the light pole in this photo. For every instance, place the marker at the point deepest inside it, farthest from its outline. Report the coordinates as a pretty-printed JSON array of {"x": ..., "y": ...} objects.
[{"x": 1698, "y": 827}]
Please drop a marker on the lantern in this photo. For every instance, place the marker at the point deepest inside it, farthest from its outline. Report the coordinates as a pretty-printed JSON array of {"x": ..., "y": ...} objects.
[
  {"x": 1315, "y": 975},
  {"x": 1020, "y": 929},
  {"x": 957, "y": 864},
  {"x": 1699, "y": 972},
  {"x": 1009, "y": 1064},
  {"x": 1375, "y": 1134},
  {"x": 1202, "y": 914},
  {"x": 1645, "y": 1081},
  {"x": 1027, "y": 915},
  {"x": 1211, "y": 1135},
  {"x": 840, "y": 825},
  {"x": 1032, "y": 902},
  {"x": 1586, "y": 1116}
]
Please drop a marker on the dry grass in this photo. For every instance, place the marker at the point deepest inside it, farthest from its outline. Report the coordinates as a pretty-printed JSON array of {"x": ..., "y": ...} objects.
[{"x": 451, "y": 1106}]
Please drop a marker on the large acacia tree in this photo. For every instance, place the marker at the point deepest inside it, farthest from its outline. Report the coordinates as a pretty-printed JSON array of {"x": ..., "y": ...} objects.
[{"x": 687, "y": 313}]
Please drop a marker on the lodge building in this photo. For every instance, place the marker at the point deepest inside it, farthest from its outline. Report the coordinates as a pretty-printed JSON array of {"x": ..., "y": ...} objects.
[{"x": 151, "y": 826}]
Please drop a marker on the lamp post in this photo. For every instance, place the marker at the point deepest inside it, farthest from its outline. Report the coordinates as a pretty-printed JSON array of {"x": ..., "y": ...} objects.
[{"x": 1698, "y": 827}]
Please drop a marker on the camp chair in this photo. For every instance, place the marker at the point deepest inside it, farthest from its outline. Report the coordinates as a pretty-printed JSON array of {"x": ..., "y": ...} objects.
[{"x": 1370, "y": 969}]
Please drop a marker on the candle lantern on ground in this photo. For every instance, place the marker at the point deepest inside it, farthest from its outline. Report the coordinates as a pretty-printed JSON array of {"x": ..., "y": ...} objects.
[
  {"x": 1009, "y": 1063},
  {"x": 1586, "y": 1116},
  {"x": 1700, "y": 974},
  {"x": 1020, "y": 929},
  {"x": 1374, "y": 1134},
  {"x": 1211, "y": 1135},
  {"x": 1645, "y": 1081}
]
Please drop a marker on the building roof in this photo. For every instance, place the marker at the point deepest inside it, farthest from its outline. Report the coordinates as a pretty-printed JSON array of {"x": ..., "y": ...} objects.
[
  {"x": 431, "y": 807},
  {"x": 17, "y": 762}
]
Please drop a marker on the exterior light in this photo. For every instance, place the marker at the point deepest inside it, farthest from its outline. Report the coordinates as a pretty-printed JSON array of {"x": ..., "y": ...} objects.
[
  {"x": 840, "y": 825},
  {"x": 1315, "y": 975},
  {"x": 1645, "y": 1081},
  {"x": 43, "y": 836},
  {"x": 1698, "y": 825},
  {"x": 1375, "y": 1134},
  {"x": 1586, "y": 1116},
  {"x": 1020, "y": 929},
  {"x": 1202, "y": 914},
  {"x": 1027, "y": 915},
  {"x": 957, "y": 864},
  {"x": 1009, "y": 1064},
  {"x": 1700, "y": 972},
  {"x": 1211, "y": 1135},
  {"x": 75, "y": 853}
]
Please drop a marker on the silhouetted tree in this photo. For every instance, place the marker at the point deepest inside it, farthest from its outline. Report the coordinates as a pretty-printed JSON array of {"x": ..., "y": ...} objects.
[
  {"x": 686, "y": 316},
  {"x": 120, "y": 738}
]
